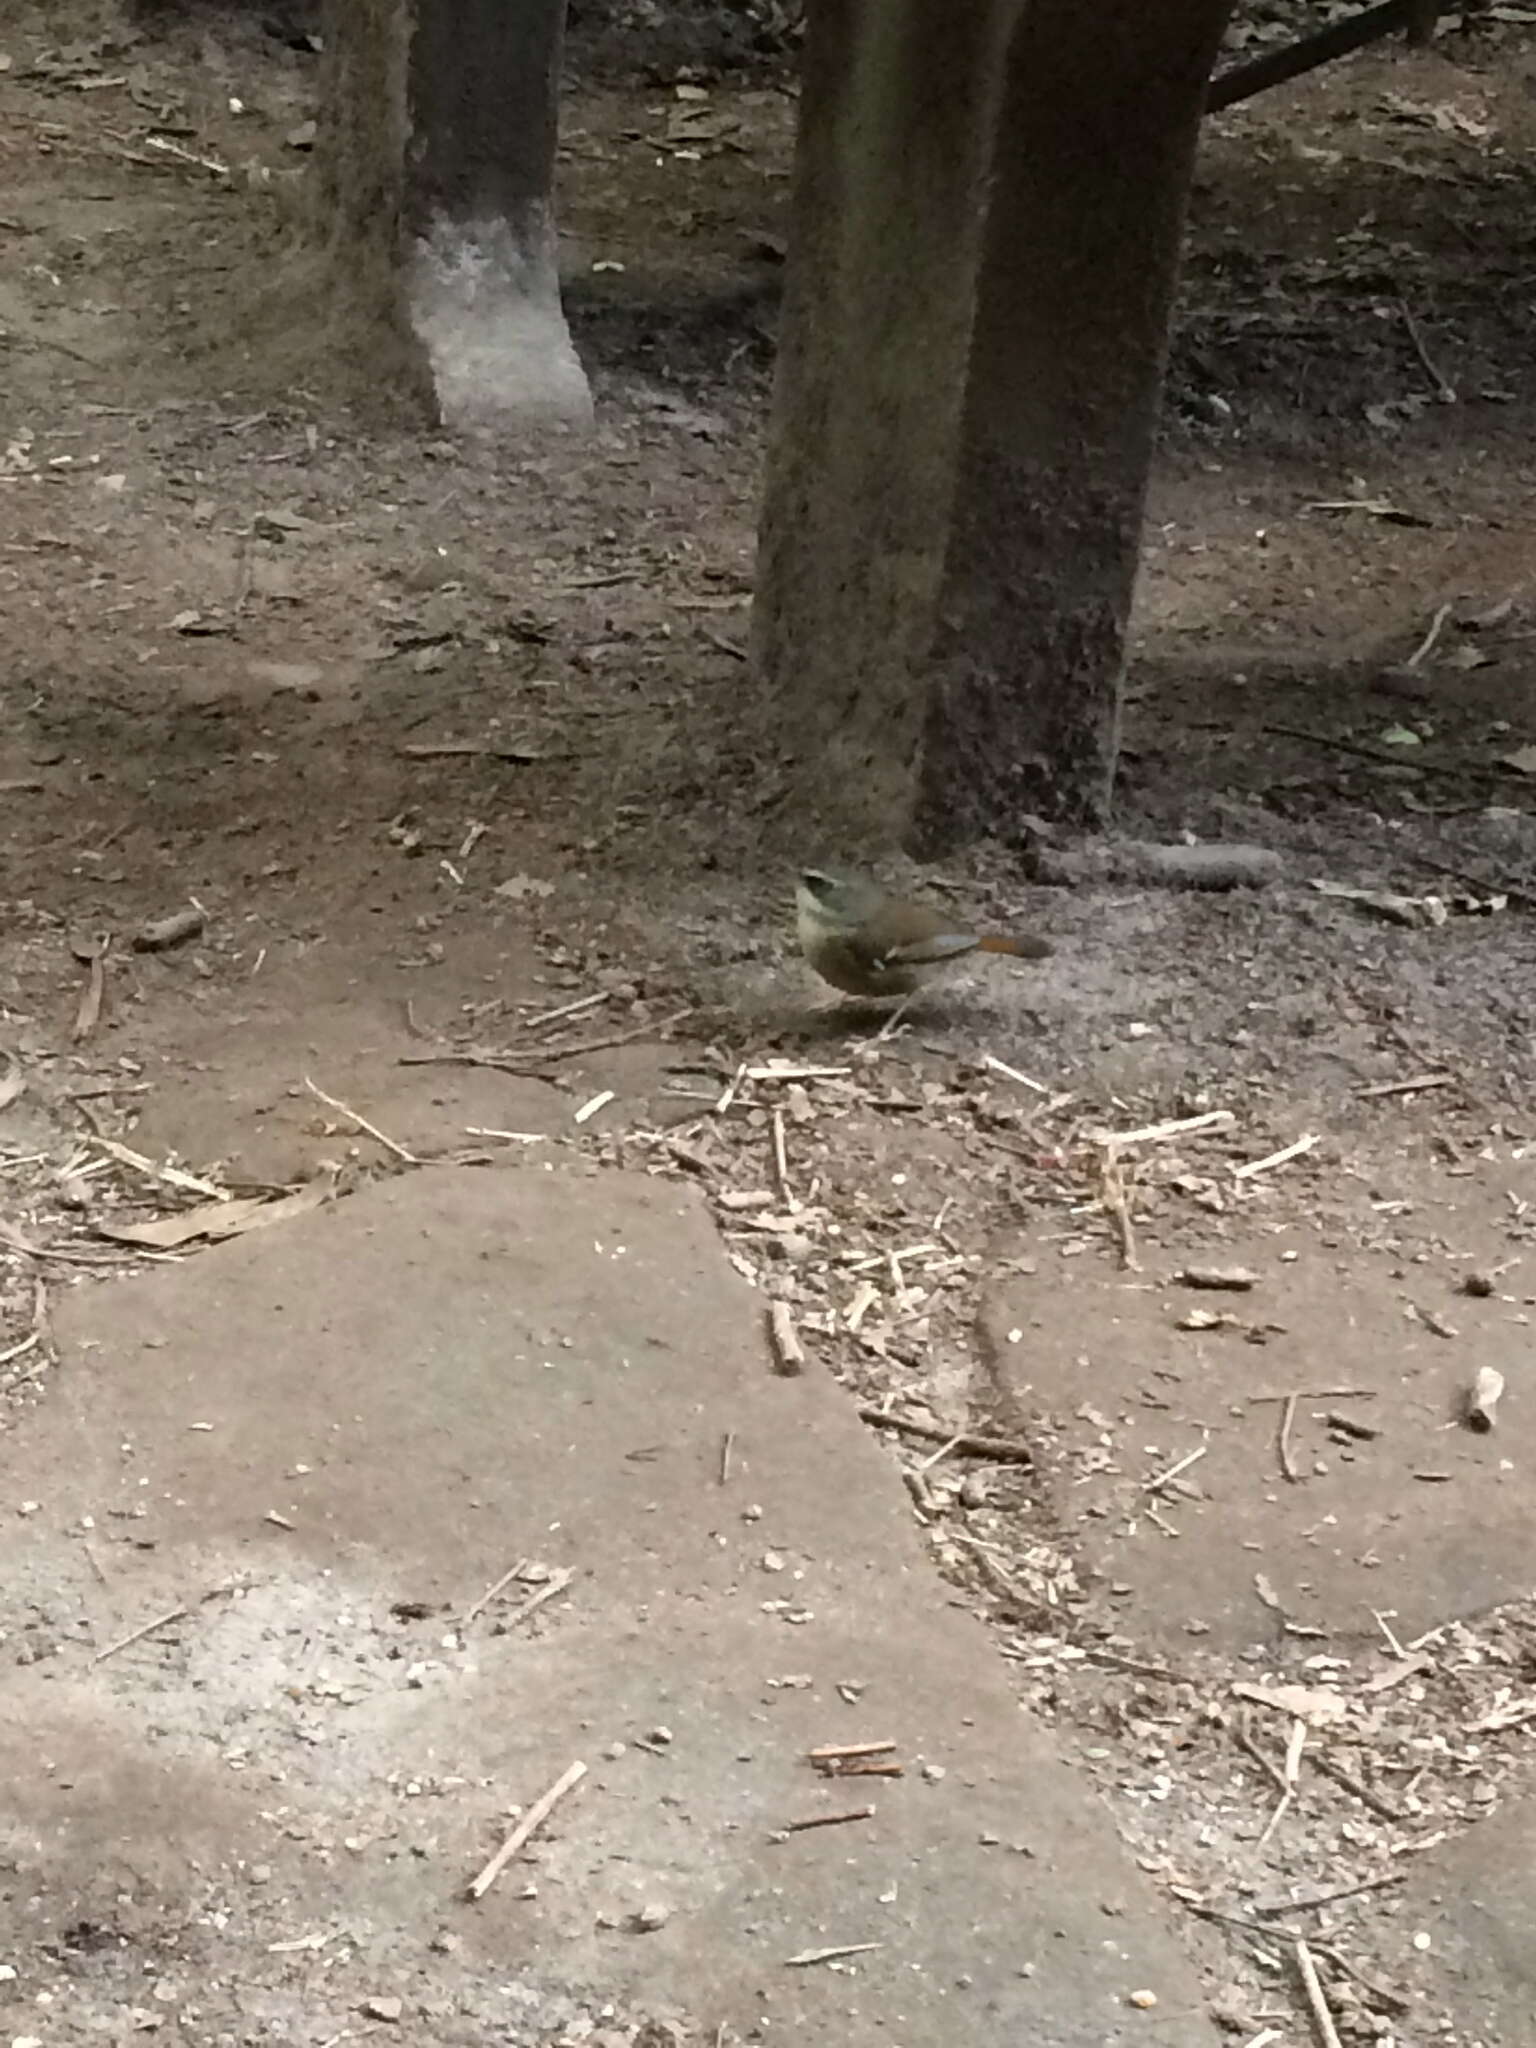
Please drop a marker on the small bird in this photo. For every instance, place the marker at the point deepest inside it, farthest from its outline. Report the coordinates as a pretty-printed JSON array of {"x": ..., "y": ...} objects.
[{"x": 868, "y": 943}]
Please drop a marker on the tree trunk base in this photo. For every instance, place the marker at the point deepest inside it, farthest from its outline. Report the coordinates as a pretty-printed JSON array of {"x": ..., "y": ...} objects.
[{"x": 484, "y": 303}]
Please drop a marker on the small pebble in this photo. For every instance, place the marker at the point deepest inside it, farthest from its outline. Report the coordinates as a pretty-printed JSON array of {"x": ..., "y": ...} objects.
[
  {"x": 1142, "y": 2000},
  {"x": 382, "y": 2008}
]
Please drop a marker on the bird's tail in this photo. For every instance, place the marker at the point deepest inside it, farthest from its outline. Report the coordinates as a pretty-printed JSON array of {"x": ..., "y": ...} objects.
[{"x": 1021, "y": 949}]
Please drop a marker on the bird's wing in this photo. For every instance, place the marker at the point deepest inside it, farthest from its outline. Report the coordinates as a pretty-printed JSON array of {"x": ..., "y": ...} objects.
[{"x": 929, "y": 951}]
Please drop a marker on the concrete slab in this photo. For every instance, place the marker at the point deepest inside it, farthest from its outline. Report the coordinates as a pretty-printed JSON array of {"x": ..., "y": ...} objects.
[
  {"x": 1423, "y": 1518},
  {"x": 324, "y": 1442},
  {"x": 1475, "y": 1898}
]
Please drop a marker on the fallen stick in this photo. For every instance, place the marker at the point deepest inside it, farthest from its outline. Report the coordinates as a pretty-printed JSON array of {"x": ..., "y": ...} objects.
[
  {"x": 829, "y": 1820},
  {"x": 1382, "y": 1808},
  {"x": 807, "y": 1956},
  {"x": 500, "y": 1585},
  {"x": 1273, "y": 1159},
  {"x": 581, "y": 1005},
  {"x": 1412, "y": 1086},
  {"x": 138, "y": 1634},
  {"x": 528, "y": 1826},
  {"x": 996, "y": 1066},
  {"x": 998, "y": 1448},
  {"x": 536, "y": 1600},
  {"x": 1154, "y": 1134},
  {"x": 1160, "y": 1480},
  {"x": 1322, "y": 2018},
  {"x": 1283, "y": 1438},
  {"x": 530, "y": 1060},
  {"x": 835, "y": 1752},
  {"x": 372, "y": 1130}
]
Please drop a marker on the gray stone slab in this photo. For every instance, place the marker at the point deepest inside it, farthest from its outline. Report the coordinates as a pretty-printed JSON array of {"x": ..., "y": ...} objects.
[{"x": 343, "y": 1431}]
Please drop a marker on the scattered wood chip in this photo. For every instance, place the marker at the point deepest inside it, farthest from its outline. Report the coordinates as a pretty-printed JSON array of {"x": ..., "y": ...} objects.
[
  {"x": 1482, "y": 1398},
  {"x": 527, "y": 1827},
  {"x": 788, "y": 1351},
  {"x": 1206, "y": 1319},
  {"x": 164, "y": 932},
  {"x": 1215, "y": 1279}
]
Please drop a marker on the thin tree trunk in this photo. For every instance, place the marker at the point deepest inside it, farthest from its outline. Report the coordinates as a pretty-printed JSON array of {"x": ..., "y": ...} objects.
[
  {"x": 895, "y": 121},
  {"x": 1096, "y": 145}
]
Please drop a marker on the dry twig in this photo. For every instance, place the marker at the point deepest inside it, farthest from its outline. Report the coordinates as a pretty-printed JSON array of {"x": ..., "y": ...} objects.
[
  {"x": 995, "y": 1447},
  {"x": 1283, "y": 1438},
  {"x": 500, "y": 1585},
  {"x": 362, "y": 1123},
  {"x": 1322, "y": 2018},
  {"x": 528, "y": 1826}
]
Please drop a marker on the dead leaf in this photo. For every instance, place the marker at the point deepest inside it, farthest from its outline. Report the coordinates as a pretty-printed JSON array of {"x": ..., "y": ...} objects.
[
  {"x": 214, "y": 1220},
  {"x": 1312, "y": 1704},
  {"x": 516, "y": 888}
]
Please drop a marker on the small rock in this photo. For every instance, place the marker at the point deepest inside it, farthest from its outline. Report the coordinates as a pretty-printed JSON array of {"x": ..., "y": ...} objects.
[
  {"x": 662, "y": 1735},
  {"x": 382, "y": 2008},
  {"x": 652, "y": 1915},
  {"x": 1142, "y": 2000},
  {"x": 934, "y": 1773}
]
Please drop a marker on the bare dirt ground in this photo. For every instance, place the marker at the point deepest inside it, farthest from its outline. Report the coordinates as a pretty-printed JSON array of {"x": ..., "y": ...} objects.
[{"x": 441, "y": 740}]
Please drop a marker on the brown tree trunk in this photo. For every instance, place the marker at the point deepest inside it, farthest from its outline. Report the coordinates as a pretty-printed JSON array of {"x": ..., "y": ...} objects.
[
  {"x": 434, "y": 189},
  {"x": 895, "y": 121},
  {"x": 1095, "y": 147}
]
